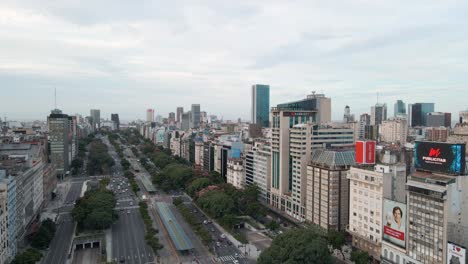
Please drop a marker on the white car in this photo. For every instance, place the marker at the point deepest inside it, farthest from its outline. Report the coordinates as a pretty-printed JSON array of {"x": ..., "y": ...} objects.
[{"x": 223, "y": 236}]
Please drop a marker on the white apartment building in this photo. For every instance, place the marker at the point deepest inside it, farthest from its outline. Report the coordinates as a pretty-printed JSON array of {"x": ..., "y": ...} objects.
[
  {"x": 199, "y": 153},
  {"x": 258, "y": 169},
  {"x": 3, "y": 228},
  {"x": 365, "y": 218},
  {"x": 394, "y": 130},
  {"x": 235, "y": 173},
  {"x": 299, "y": 151}
]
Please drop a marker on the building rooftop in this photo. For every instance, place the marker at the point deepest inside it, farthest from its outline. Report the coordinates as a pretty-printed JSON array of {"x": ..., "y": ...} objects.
[{"x": 333, "y": 158}]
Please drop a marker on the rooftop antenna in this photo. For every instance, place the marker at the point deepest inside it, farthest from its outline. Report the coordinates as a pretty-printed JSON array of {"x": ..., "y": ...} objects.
[
  {"x": 55, "y": 95},
  {"x": 377, "y": 97}
]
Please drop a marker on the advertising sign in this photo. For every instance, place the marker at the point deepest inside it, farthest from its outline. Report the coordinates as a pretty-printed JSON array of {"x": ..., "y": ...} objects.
[
  {"x": 394, "y": 223},
  {"x": 455, "y": 254},
  {"x": 370, "y": 152},
  {"x": 365, "y": 151},
  {"x": 440, "y": 157}
]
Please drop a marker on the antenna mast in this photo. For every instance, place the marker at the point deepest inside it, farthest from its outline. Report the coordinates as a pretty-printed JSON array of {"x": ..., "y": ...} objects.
[{"x": 55, "y": 96}]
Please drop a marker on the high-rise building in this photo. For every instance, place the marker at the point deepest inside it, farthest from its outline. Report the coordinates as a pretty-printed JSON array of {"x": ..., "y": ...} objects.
[
  {"x": 116, "y": 120},
  {"x": 463, "y": 117},
  {"x": 95, "y": 119},
  {"x": 179, "y": 112},
  {"x": 394, "y": 130},
  {"x": 364, "y": 120},
  {"x": 59, "y": 130},
  {"x": 258, "y": 169},
  {"x": 378, "y": 114},
  {"x": 419, "y": 113},
  {"x": 438, "y": 119},
  {"x": 3, "y": 228},
  {"x": 195, "y": 116},
  {"x": 149, "y": 115},
  {"x": 399, "y": 109},
  {"x": 313, "y": 102},
  {"x": 185, "y": 124},
  {"x": 347, "y": 116},
  {"x": 172, "y": 117},
  {"x": 8, "y": 188},
  {"x": 260, "y": 104},
  {"x": 327, "y": 189}
]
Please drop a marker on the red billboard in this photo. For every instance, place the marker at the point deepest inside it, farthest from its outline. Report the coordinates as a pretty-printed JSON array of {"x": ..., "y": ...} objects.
[{"x": 365, "y": 152}]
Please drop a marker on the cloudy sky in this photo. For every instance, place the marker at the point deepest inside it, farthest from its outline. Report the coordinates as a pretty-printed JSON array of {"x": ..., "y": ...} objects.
[{"x": 125, "y": 56}]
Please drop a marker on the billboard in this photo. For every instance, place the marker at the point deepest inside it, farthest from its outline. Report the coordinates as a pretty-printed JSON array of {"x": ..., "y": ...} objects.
[
  {"x": 439, "y": 157},
  {"x": 394, "y": 223},
  {"x": 455, "y": 254},
  {"x": 365, "y": 151}
]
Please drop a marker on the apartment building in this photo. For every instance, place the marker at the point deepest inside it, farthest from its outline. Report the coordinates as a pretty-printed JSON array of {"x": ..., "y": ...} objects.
[
  {"x": 365, "y": 218},
  {"x": 235, "y": 173},
  {"x": 258, "y": 169},
  {"x": 327, "y": 203}
]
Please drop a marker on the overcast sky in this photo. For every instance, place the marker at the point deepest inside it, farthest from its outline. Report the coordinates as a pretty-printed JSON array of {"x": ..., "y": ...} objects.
[{"x": 125, "y": 56}]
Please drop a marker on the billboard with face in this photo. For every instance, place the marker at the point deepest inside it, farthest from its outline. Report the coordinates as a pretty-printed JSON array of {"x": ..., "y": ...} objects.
[
  {"x": 394, "y": 223},
  {"x": 455, "y": 254},
  {"x": 439, "y": 157}
]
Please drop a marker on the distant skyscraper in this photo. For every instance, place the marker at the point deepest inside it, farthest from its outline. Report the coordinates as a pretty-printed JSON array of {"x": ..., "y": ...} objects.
[
  {"x": 172, "y": 117},
  {"x": 149, "y": 115},
  {"x": 378, "y": 114},
  {"x": 317, "y": 102},
  {"x": 96, "y": 118},
  {"x": 260, "y": 104},
  {"x": 115, "y": 119},
  {"x": 399, "y": 108},
  {"x": 179, "y": 112},
  {"x": 195, "y": 115},
  {"x": 419, "y": 112},
  {"x": 185, "y": 123},
  {"x": 348, "y": 117},
  {"x": 58, "y": 125}
]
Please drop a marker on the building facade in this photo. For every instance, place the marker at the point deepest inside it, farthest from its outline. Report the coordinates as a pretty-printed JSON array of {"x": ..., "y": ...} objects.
[
  {"x": 260, "y": 104},
  {"x": 195, "y": 116},
  {"x": 327, "y": 191},
  {"x": 394, "y": 131},
  {"x": 235, "y": 173},
  {"x": 366, "y": 195}
]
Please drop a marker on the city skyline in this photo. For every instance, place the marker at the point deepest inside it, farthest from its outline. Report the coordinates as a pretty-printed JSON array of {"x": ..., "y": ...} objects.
[{"x": 97, "y": 60}]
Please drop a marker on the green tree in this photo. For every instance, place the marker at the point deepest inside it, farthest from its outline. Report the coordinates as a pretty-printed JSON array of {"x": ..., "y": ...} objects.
[
  {"x": 337, "y": 240},
  {"x": 360, "y": 257},
  {"x": 272, "y": 225},
  {"x": 216, "y": 203},
  {"x": 30, "y": 256},
  {"x": 197, "y": 185},
  {"x": 95, "y": 210},
  {"x": 44, "y": 235},
  {"x": 297, "y": 246}
]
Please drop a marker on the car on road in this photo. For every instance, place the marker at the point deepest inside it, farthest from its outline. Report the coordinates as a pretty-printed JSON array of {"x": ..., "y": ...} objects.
[
  {"x": 128, "y": 212},
  {"x": 212, "y": 230},
  {"x": 205, "y": 222},
  {"x": 218, "y": 244},
  {"x": 223, "y": 236},
  {"x": 235, "y": 261},
  {"x": 236, "y": 255},
  {"x": 229, "y": 242}
]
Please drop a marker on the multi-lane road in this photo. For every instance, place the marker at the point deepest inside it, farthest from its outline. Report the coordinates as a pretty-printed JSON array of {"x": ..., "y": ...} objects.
[
  {"x": 128, "y": 232},
  {"x": 60, "y": 245}
]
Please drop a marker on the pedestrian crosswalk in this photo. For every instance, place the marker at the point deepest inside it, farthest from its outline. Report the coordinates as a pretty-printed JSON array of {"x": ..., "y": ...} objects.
[{"x": 230, "y": 258}]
